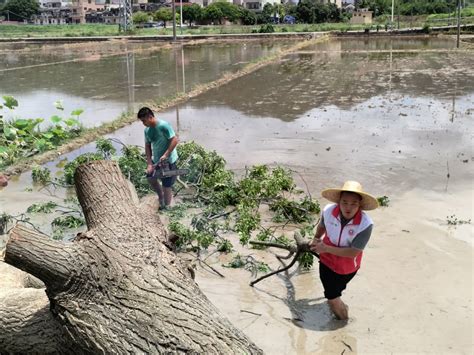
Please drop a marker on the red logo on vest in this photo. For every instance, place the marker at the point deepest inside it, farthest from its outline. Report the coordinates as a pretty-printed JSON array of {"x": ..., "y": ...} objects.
[{"x": 351, "y": 232}]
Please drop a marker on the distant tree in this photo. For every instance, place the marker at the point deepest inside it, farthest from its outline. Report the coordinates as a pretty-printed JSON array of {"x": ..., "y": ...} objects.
[
  {"x": 192, "y": 13},
  {"x": 334, "y": 14},
  {"x": 213, "y": 13},
  {"x": 247, "y": 17},
  {"x": 267, "y": 13},
  {"x": 140, "y": 17},
  {"x": 304, "y": 11},
  {"x": 378, "y": 7},
  {"x": 279, "y": 10},
  {"x": 163, "y": 14},
  {"x": 19, "y": 10},
  {"x": 408, "y": 7},
  {"x": 230, "y": 11},
  {"x": 290, "y": 9},
  {"x": 314, "y": 11}
]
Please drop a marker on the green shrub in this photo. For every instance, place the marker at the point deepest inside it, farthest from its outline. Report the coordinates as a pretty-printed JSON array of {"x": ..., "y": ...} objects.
[{"x": 266, "y": 28}]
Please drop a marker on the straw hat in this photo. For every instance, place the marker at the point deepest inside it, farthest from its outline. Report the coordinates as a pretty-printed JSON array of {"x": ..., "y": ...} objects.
[{"x": 368, "y": 201}]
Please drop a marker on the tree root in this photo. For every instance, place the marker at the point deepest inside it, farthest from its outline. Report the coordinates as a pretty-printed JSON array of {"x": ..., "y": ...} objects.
[{"x": 302, "y": 246}]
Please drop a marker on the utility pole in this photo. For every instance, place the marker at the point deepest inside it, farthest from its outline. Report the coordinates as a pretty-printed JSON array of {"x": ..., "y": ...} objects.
[
  {"x": 174, "y": 20},
  {"x": 459, "y": 23},
  {"x": 398, "y": 15},
  {"x": 393, "y": 4},
  {"x": 181, "y": 16},
  {"x": 127, "y": 15}
]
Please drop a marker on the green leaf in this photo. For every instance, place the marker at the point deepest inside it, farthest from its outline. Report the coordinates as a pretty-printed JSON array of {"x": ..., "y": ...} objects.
[
  {"x": 48, "y": 135},
  {"x": 21, "y": 123},
  {"x": 9, "y": 132},
  {"x": 46, "y": 207},
  {"x": 77, "y": 112},
  {"x": 69, "y": 222},
  {"x": 58, "y": 131},
  {"x": 59, "y": 105},
  {"x": 41, "y": 175},
  {"x": 56, "y": 119},
  {"x": 3, "y": 149},
  {"x": 41, "y": 144},
  {"x": 71, "y": 122},
  {"x": 10, "y": 102}
]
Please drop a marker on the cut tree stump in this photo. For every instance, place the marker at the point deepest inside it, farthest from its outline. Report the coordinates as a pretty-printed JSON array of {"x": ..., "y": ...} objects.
[{"x": 117, "y": 288}]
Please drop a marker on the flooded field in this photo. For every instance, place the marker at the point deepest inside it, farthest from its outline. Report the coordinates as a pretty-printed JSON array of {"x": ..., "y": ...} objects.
[
  {"x": 396, "y": 115},
  {"x": 107, "y": 79}
]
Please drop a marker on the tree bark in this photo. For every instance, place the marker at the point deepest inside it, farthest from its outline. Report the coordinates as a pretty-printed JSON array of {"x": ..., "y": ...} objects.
[
  {"x": 24, "y": 305},
  {"x": 117, "y": 288},
  {"x": 27, "y": 309}
]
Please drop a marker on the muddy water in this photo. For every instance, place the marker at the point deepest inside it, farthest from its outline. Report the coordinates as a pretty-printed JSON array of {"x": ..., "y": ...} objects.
[
  {"x": 397, "y": 120},
  {"x": 106, "y": 79}
]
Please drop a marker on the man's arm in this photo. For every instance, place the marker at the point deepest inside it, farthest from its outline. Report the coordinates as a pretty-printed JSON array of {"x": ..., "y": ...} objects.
[
  {"x": 149, "y": 161},
  {"x": 173, "y": 142}
]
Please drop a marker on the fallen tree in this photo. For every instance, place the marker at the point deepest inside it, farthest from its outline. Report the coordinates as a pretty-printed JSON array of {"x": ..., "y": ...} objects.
[{"x": 117, "y": 287}]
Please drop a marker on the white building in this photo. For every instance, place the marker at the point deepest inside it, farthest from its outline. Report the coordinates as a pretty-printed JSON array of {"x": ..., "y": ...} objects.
[
  {"x": 257, "y": 5},
  {"x": 361, "y": 17}
]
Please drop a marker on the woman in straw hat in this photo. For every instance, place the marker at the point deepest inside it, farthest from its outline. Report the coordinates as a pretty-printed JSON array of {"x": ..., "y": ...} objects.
[{"x": 341, "y": 236}]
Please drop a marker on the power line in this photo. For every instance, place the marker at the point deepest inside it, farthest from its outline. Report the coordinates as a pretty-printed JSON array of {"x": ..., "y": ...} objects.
[{"x": 14, "y": 13}]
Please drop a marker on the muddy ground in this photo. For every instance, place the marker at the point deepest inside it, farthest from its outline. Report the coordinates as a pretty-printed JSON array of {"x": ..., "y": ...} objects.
[{"x": 395, "y": 116}]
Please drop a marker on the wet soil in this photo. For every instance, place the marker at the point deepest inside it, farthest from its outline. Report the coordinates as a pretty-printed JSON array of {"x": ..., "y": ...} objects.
[{"x": 395, "y": 116}]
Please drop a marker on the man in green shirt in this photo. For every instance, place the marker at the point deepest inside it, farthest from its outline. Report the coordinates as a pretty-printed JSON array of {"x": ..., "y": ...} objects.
[{"x": 160, "y": 148}]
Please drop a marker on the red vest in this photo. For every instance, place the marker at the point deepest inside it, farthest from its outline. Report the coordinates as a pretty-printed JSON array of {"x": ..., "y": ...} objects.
[{"x": 342, "y": 237}]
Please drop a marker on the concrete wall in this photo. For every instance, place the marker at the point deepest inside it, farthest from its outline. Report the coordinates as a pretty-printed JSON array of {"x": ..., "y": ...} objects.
[{"x": 361, "y": 18}]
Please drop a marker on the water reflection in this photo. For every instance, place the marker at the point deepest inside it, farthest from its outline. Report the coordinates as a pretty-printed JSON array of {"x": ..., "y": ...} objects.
[
  {"x": 306, "y": 80},
  {"x": 131, "y": 80},
  {"x": 334, "y": 117},
  {"x": 107, "y": 82}
]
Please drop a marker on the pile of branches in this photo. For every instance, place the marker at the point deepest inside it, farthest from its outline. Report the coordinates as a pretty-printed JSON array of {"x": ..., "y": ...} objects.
[{"x": 213, "y": 201}]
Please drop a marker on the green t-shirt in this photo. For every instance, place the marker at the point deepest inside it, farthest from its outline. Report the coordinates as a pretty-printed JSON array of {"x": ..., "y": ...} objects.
[{"x": 159, "y": 138}]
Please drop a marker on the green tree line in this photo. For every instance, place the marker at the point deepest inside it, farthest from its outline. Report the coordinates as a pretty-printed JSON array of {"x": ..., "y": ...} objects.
[
  {"x": 411, "y": 7},
  {"x": 306, "y": 11}
]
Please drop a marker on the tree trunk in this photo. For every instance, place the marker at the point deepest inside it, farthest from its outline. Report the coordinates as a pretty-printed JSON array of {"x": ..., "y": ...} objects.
[{"x": 117, "y": 288}]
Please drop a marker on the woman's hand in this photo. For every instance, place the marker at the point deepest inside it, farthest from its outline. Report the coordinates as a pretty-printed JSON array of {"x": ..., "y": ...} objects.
[{"x": 318, "y": 246}]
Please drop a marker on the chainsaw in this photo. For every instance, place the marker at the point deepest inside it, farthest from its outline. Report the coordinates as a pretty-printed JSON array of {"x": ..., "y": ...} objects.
[{"x": 163, "y": 171}]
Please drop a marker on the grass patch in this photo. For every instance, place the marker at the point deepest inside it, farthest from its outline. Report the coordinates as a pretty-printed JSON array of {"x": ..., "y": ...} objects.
[
  {"x": 21, "y": 31},
  {"x": 90, "y": 30},
  {"x": 467, "y": 12}
]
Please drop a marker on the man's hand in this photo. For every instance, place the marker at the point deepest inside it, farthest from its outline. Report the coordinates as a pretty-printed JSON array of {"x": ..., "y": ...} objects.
[
  {"x": 149, "y": 169},
  {"x": 318, "y": 246},
  {"x": 164, "y": 158}
]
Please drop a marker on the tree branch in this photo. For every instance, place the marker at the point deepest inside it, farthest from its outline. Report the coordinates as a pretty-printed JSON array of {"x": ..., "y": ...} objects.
[
  {"x": 38, "y": 255},
  {"x": 302, "y": 246}
]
